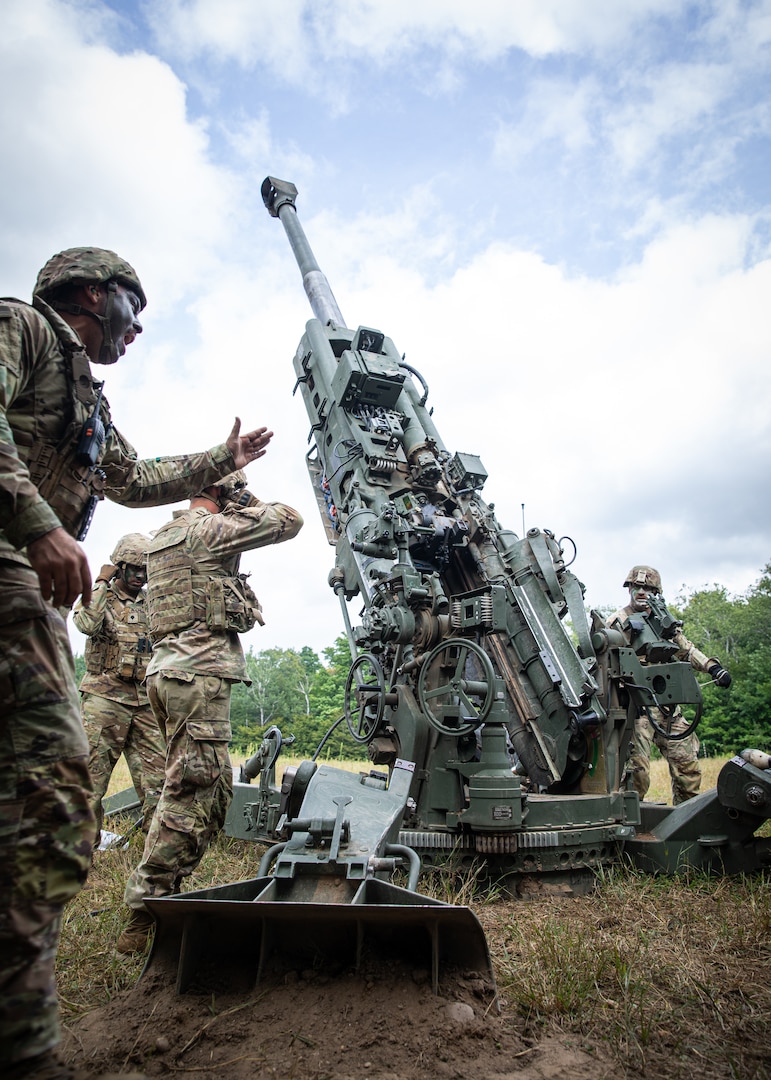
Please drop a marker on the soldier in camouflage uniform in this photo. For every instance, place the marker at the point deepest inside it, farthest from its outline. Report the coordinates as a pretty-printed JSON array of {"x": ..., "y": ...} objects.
[
  {"x": 682, "y": 756},
  {"x": 198, "y": 605},
  {"x": 113, "y": 702},
  {"x": 59, "y": 454}
]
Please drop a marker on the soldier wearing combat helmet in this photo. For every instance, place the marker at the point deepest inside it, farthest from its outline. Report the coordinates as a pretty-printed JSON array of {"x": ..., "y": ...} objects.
[
  {"x": 682, "y": 756},
  {"x": 643, "y": 577},
  {"x": 113, "y": 702},
  {"x": 59, "y": 455},
  {"x": 198, "y": 605},
  {"x": 60, "y": 280}
]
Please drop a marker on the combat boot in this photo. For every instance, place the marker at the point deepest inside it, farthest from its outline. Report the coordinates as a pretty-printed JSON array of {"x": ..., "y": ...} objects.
[{"x": 136, "y": 936}]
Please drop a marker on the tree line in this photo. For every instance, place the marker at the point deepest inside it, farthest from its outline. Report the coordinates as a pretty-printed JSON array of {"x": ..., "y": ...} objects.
[
  {"x": 294, "y": 690},
  {"x": 299, "y": 693},
  {"x": 302, "y": 693},
  {"x": 737, "y": 630}
]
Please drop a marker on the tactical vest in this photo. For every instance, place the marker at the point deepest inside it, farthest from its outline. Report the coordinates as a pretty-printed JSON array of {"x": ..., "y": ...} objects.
[
  {"x": 180, "y": 594},
  {"x": 71, "y": 489},
  {"x": 122, "y": 647}
]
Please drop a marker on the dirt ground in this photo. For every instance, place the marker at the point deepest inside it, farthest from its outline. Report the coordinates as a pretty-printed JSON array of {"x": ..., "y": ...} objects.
[
  {"x": 654, "y": 978},
  {"x": 390, "y": 1027}
]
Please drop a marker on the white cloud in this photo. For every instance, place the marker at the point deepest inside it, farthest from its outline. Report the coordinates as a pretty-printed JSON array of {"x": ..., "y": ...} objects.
[
  {"x": 667, "y": 102},
  {"x": 239, "y": 30},
  {"x": 291, "y": 36},
  {"x": 629, "y": 412},
  {"x": 103, "y": 152},
  {"x": 747, "y": 26},
  {"x": 553, "y": 110},
  {"x": 252, "y": 142}
]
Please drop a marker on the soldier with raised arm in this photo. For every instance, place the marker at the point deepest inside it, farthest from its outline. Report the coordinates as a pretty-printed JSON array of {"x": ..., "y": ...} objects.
[
  {"x": 59, "y": 455},
  {"x": 198, "y": 605}
]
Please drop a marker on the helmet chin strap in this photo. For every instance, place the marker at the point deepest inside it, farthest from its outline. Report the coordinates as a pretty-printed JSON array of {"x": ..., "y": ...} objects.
[
  {"x": 108, "y": 353},
  {"x": 108, "y": 350}
]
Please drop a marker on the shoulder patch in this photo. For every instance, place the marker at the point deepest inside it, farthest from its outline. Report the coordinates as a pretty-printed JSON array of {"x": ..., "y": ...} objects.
[{"x": 11, "y": 343}]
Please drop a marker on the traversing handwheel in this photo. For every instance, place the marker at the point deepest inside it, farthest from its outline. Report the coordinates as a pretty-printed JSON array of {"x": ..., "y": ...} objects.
[
  {"x": 670, "y": 736},
  {"x": 364, "y": 700},
  {"x": 456, "y": 686}
]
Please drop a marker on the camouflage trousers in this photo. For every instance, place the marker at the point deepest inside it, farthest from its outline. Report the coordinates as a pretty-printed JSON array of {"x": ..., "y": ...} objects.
[
  {"x": 682, "y": 756},
  {"x": 194, "y": 713},
  {"x": 47, "y": 827},
  {"x": 114, "y": 728}
]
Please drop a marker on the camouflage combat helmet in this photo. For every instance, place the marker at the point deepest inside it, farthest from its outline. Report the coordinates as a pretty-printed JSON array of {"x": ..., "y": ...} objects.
[
  {"x": 232, "y": 485},
  {"x": 131, "y": 550},
  {"x": 230, "y": 488},
  {"x": 643, "y": 575},
  {"x": 82, "y": 265}
]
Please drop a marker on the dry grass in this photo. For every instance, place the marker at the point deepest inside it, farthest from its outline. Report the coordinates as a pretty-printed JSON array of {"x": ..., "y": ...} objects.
[
  {"x": 121, "y": 779},
  {"x": 89, "y": 971},
  {"x": 671, "y": 975},
  {"x": 661, "y": 787},
  {"x": 660, "y": 790},
  {"x": 669, "y": 978}
]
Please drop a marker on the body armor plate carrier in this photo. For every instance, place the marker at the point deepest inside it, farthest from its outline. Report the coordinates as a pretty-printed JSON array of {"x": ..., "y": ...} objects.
[
  {"x": 179, "y": 594},
  {"x": 122, "y": 647}
]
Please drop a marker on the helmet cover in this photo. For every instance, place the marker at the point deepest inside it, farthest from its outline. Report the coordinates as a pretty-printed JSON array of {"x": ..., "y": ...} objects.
[
  {"x": 229, "y": 488},
  {"x": 645, "y": 576},
  {"x": 83, "y": 265},
  {"x": 131, "y": 549}
]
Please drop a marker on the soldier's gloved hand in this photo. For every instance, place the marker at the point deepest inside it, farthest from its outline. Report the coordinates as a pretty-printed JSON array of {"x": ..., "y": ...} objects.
[
  {"x": 107, "y": 573},
  {"x": 246, "y": 498},
  {"x": 720, "y": 675}
]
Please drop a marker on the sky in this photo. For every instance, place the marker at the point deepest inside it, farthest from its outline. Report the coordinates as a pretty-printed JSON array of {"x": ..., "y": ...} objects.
[{"x": 559, "y": 210}]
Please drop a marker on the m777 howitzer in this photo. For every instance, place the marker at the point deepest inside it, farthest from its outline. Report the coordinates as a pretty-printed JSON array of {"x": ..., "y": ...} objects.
[
  {"x": 498, "y": 737},
  {"x": 462, "y": 662}
]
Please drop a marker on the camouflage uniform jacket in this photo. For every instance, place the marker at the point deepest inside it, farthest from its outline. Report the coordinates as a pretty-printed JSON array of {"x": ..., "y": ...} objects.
[
  {"x": 118, "y": 646},
  {"x": 687, "y": 651},
  {"x": 212, "y": 545},
  {"x": 46, "y": 394}
]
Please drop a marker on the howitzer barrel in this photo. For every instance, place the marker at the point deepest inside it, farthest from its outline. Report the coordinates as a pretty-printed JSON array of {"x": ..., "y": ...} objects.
[{"x": 279, "y": 198}]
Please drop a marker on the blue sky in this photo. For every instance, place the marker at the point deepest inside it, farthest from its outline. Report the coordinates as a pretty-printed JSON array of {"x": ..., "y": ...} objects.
[{"x": 559, "y": 209}]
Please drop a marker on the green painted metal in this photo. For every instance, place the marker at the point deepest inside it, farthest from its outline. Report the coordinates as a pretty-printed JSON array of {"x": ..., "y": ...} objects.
[
  {"x": 462, "y": 660},
  {"x": 123, "y": 803},
  {"x": 327, "y": 900}
]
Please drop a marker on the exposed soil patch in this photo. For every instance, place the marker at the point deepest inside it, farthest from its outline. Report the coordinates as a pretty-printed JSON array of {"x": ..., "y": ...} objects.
[{"x": 389, "y": 1026}]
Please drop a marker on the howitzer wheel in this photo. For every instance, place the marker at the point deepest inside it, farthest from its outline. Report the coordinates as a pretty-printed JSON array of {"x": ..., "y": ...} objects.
[
  {"x": 365, "y": 684},
  {"x": 454, "y": 700}
]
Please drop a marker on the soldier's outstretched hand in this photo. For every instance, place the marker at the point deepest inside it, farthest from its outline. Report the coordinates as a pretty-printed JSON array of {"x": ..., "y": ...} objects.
[
  {"x": 62, "y": 567},
  {"x": 249, "y": 447}
]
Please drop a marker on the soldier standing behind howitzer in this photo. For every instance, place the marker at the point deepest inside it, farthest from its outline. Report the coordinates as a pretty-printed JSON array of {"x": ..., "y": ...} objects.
[
  {"x": 198, "y": 605},
  {"x": 59, "y": 454},
  {"x": 113, "y": 702},
  {"x": 682, "y": 756}
]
